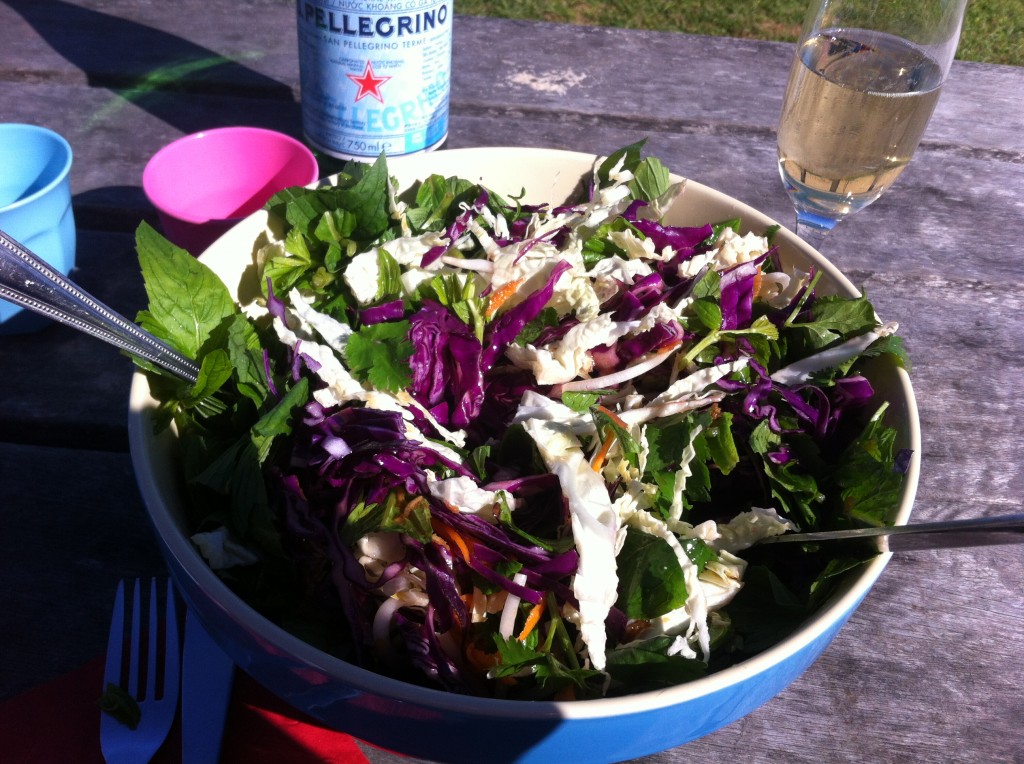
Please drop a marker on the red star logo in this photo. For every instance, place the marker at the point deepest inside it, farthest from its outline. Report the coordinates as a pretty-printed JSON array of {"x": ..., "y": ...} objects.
[{"x": 369, "y": 83}]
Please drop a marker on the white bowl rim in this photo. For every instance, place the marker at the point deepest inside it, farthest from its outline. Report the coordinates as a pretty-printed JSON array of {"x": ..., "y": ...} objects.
[{"x": 367, "y": 681}]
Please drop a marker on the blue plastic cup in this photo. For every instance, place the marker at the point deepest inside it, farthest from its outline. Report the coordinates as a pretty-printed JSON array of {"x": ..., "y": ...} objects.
[{"x": 35, "y": 206}]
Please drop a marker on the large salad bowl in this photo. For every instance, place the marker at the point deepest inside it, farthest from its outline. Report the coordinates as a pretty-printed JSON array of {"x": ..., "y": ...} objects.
[{"x": 442, "y": 726}]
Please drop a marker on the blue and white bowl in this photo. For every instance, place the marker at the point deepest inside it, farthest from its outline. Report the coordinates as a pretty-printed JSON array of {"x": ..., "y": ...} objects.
[{"x": 441, "y": 726}]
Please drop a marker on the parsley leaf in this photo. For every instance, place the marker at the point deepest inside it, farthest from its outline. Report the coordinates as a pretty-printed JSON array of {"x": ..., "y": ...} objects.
[{"x": 380, "y": 354}]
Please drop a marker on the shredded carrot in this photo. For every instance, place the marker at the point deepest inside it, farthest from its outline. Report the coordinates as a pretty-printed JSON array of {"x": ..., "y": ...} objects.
[
  {"x": 531, "y": 621},
  {"x": 601, "y": 455},
  {"x": 500, "y": 296},
  {"x": 408, "y": 507},
  {"x": 757, "y": 282},
  {"x": 613, "y": 416},
  {"x": 606, "y": 445},
  {"x": 451, "y": 538}
]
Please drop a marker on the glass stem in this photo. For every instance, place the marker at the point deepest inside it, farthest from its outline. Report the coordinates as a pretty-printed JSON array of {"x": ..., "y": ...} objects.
[{"x": 814, "y": 229}]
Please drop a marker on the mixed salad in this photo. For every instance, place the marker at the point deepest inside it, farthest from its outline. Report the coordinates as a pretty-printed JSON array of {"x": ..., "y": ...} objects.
[{"x": 522, "y": 451}]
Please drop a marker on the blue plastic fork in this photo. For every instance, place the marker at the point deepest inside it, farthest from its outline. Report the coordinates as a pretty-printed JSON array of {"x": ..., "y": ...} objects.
[{"x": 157, "y": 697}]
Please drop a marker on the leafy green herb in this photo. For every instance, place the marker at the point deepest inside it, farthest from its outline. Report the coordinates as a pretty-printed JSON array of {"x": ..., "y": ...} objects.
[
  {"x": 608, "y": 423},
  {"x": 651, "y": 583},
  {"x": 186, "y": 300},
  {"x": 720, "y": 443},
  {"x": 546, "y": 318},
  {"x": 389, "y": 276},
  {"x": 458, "y": 294},
  {"x": 582, "y": 401},
  {"x": 647, "y": 666},
  {"x": 867, "y": 482},
  {"x": 380, "y": 354},
  {"x": 650, "y": 180}
]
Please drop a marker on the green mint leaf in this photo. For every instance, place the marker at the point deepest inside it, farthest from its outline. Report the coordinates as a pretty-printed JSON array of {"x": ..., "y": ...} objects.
[
  {"x": 337, "y": 226},
  {"x": 214, "y": 372},
  {"x": 708, "y": 312},
  {"x": 630, "y": 153},
  {"x": 709, "y": 285},
  {"x": 582, "y": 401},
  {"x": 716, "y": 228},
  {"x": 647, "y": 666},
  {"x": 765, "y": 610},
  {"x": 278, "y": 421},
  {"x": 249, "y": 509},
  {"x": 832, "y": 320},
  {"x": 650, "y": 180},
  {"x": 478, "y": 459},
  {"x": 246, "y": 354},
  {"x": 598, "y": 245},
  {"x": 699, "y": 552},
  {"x": 721, "y": 444},
  {"x": 531, "y": 331},
  {"x": 380, "y": 354},
  {"x": 389, "y": 276},
  {"x": 763, "y": 439},
  {"x": 651, "y": 582},
  {"x": 797, "y": 492},
  {"x": 186, "y": 299},
  {"x": 825, "y": 582},
  {"x": 369, "y": 201},
  {"x": 458, "y": 294},
  {"x": 437, "y": 199}
]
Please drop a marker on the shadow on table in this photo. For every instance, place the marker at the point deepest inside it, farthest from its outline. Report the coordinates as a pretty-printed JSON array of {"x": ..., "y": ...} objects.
[{"x": 148, "y": 66}]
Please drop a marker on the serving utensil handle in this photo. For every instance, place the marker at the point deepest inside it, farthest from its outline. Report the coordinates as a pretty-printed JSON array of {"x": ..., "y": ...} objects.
[
  {"x": 944, "y": 534},
  {"x": 28, "y": 281}
]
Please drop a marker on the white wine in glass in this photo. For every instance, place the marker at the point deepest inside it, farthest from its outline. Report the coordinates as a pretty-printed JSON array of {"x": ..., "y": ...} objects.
[{"x": 863, "y": 84}]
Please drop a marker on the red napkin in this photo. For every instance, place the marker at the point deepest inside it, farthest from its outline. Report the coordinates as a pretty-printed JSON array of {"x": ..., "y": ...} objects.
[{"x": 59, "y": 722}]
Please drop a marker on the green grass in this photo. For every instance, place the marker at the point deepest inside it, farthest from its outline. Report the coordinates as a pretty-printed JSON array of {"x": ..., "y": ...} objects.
[{"x": 992, "y": 33}]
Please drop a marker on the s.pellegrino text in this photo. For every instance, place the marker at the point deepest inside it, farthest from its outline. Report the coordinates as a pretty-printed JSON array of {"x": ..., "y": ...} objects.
[{"x": 375, "y": 75}]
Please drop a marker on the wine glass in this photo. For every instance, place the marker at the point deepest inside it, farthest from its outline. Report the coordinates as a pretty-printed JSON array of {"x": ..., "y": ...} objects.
[{"x": 863, "y": 84}]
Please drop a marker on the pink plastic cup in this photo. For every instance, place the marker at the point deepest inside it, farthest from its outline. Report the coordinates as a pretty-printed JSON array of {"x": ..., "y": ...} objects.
[{"x": 203, "y": 184}]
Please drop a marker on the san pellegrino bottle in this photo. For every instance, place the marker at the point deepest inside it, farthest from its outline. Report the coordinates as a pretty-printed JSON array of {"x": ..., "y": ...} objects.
[{"x": 375, "y": 75}]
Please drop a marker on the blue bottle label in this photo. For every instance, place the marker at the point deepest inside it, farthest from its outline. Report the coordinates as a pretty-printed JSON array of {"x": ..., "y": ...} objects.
[{"x": 375, "y": 75}]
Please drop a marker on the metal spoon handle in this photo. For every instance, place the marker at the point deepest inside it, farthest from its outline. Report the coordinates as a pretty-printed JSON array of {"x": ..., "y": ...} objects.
[
  {"x": 28, "y": 281},
  {"x": 976, "y": 531}
]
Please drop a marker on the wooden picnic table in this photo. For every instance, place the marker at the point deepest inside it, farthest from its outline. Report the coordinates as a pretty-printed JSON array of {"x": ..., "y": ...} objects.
[{"x": 928, "y": 669}]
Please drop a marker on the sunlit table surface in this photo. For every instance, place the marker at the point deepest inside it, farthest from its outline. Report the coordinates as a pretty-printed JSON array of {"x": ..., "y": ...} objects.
[{"x": 928, "y": 669}]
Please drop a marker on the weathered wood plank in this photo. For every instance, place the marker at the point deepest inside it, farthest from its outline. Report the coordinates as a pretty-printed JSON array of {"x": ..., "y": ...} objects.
[
  {"x": 627, "y": 75},
  {"x": 61, "y": 387},
  {"x": 929, "y": 662},
  {"x": 70, "y": 532}
]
